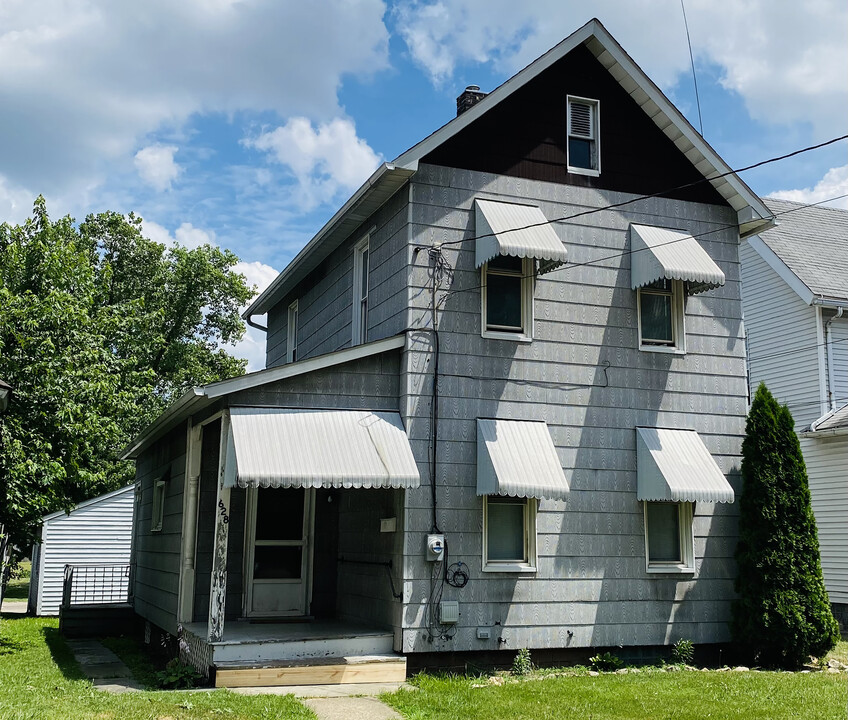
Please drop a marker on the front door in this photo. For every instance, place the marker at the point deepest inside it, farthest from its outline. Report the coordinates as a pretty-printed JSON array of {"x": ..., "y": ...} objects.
[{"x": 279, "y": 557}]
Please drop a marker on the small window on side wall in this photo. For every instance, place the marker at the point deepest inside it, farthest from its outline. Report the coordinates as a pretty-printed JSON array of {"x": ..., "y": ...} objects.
[
  {"x": 508, "y": 298},
  {"x": 360, "y": 292},
  {"x": 509, "y": 534},
  {"x": 669, "y": 540},
  {"x": 291, "y": 335},
  {"x": 584, "y": 146},
  {"x": 661, "y": 316},
  {"x": 158, "y": 505}
]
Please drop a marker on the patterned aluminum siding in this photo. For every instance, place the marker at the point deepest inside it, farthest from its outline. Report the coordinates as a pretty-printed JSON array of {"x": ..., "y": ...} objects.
[
  {"x": 280, "y": 447},
  {"x": 519, "y": 230},
  {"x": 518, "y": 458},
  {"x": 658, "y": 253},
  {"x": 675, "y": 465}
]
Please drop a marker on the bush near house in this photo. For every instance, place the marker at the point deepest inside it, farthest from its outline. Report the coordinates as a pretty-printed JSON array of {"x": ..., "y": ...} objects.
[{"x": 782, "y": 614}]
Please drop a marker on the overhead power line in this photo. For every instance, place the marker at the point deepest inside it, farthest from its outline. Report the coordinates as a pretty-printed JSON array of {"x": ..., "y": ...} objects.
[{"x": 661, "y": 193}]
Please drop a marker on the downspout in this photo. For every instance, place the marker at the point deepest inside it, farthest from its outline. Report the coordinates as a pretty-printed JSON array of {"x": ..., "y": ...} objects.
[{"x": 829, "y": 352}]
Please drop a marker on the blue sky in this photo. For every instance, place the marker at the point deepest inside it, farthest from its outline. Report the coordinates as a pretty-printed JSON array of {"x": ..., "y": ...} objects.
[{"x": 247, "y": 123}]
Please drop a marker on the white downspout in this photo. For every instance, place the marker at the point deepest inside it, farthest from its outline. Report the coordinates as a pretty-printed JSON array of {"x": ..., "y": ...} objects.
[{"x": 829, "y": 352}]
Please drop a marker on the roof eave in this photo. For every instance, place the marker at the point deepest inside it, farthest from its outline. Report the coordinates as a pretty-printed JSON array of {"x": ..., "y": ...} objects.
[{"x": 292, "y": 272}]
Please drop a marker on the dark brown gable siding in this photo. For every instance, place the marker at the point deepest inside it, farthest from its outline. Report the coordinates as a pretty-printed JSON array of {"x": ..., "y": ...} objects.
[{"x": 525, "y": 136}]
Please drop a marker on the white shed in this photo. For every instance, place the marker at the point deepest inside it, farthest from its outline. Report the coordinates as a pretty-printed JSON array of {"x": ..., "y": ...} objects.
[{"x": 95, "y": 532}]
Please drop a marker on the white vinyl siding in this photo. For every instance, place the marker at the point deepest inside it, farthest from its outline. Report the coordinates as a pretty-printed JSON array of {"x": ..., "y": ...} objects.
[
  {"x": 95, "y": 533},
  {"x": 827, "y": 468},
  {"x": 839, "y": 357},
  {"x": 782, "y": 339}
]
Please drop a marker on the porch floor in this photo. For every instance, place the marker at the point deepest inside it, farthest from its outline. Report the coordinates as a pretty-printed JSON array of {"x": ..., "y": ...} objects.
[{"x": 246, "y": 632}]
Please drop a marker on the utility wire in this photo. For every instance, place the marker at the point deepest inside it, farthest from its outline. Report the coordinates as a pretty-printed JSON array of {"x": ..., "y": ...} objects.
[
  {"x": 623, "y": 253},
  {"x": 660, "y": 193},
  {"x": 692, "y": 61}
]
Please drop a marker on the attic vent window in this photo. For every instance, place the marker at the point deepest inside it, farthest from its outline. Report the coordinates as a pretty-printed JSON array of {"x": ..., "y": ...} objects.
[{"x": 584, "y": 157}]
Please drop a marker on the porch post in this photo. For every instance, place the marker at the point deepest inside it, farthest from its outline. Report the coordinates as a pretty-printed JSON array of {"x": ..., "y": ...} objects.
[
  {"x": 218, "y": 590},
  {"x": 189, "y": 536}
]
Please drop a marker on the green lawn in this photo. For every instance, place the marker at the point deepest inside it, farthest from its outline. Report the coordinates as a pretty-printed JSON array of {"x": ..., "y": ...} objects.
[
  {"x": 648, "y": 695},
  {"x": 18, "y": 588},
  {"x": 40, "y": 680}
]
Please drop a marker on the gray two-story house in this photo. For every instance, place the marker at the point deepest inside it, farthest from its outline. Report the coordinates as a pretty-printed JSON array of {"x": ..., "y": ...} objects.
[{"x": 503, "y": 405}]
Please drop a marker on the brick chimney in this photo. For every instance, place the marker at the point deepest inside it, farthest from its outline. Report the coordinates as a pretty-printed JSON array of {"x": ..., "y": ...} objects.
[{"x": 470, "y": 96}]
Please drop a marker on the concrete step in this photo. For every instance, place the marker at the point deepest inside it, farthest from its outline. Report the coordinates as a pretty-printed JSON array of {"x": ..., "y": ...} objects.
[{"x": 382, "y": 668}]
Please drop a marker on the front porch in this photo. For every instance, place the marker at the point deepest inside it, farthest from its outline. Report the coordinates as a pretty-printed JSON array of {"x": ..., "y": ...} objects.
[
  {"x": 294, "y": 653},
  {"x": 290, "y": 571}
]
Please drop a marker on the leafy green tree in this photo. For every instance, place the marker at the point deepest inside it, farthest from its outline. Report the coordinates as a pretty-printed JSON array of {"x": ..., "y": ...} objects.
[
  {"x": 100, "y": 329},
  {"x": 782, "y": 614}
]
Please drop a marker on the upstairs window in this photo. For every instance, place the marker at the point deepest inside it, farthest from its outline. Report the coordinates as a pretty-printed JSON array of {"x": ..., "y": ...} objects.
[
  {"x": 158, "y": 514},
  {"x": 360, "y": 292},
  {"x": 584, "y": 151},
  {"x": 660, "y": 307},
  {"x": 291, "y": 336},
  {"x": 508, "y": 297}
]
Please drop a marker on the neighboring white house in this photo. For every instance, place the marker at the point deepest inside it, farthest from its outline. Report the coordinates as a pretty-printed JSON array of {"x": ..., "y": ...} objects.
[
  {"x": 95, "y": 532},
  {"x": 795, "y": 297}
]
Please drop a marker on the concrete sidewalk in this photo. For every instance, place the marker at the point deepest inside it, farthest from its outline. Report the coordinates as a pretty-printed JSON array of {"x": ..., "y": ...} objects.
[{"x": 105, "y": 669}]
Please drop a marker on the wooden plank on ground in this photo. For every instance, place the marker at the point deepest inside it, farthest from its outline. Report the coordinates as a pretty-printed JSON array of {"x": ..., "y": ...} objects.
[{"x": 329, "y": 674}]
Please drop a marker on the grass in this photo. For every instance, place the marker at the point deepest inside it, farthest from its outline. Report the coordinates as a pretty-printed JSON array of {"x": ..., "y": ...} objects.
[
  {"x": 18, "y": 588},
  {"x": 39, "y": 678},
  {"x": 648, "y": 695}
]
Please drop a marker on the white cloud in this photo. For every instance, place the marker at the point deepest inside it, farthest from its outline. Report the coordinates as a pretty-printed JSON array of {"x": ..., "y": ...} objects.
[
  {"x": 324, "y": 160},
  {"x": 833, "y": 185},
  {"x": 186, "y": 235},
  {"x": 191, "y": 237},
  {"x": 113, "y": 73},
  {"x": 252, "y": 345},
  {"x": 787, "y": 60},
  {"x": 156, "y": 166},
  {"x": 15, "y": 203}
]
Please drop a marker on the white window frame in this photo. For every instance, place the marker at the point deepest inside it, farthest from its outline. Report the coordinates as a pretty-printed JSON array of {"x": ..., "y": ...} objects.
[
  {"x": 158, "y": 510},
  {"x": 359, "y": 321},
  {"x": 529, "y": 564},
  {"x": 686, "y": 564},
  {"x": 678, "y": 321},
  {"x": 528, "y": 280},
  {"x": 291, "y": 333},
  {"x": 595, "y": 106}
]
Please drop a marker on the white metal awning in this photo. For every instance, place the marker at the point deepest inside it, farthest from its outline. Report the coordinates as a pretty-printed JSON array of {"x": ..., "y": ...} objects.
[
  {"x": 661, "y": 254},
  {"x": 675, "y": 465},
  {"x": 518, "y": 458},
  {"x": 281, "y": 447},
  {"x": 520, "y": 230}
]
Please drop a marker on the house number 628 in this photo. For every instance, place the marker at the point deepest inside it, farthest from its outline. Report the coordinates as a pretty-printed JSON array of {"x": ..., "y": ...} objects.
[{"x": 222, "y": 509}]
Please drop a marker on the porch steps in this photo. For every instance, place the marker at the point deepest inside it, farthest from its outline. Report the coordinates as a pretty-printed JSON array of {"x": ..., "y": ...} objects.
[{"x": 320, "y": 671}]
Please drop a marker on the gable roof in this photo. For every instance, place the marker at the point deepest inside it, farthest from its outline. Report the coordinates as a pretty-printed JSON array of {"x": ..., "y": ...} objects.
[
  {"x": 808, "y": 248},
  {"x": 753, "y": 215}
]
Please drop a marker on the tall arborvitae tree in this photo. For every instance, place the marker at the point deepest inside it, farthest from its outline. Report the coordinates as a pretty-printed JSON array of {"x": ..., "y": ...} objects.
[{"x": 782, "y": 615}]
